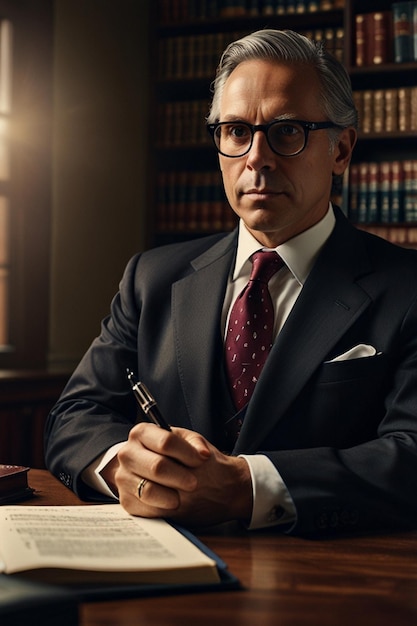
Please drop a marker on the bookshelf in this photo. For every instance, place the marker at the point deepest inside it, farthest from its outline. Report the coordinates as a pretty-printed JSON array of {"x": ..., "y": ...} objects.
[
  {"x": 385, "y": 158},
  {"x": 190, "y": 36}
]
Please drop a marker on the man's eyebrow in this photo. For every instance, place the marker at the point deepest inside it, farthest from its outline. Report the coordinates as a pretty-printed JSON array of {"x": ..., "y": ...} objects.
[
  {"x": 234, "y": 118},
  {"x": 285, "y": 116},
  {"x": 278, "y": 118}
]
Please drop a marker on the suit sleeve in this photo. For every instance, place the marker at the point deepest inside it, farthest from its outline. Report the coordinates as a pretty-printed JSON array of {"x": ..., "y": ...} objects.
[{"x": 97, "y": 409}]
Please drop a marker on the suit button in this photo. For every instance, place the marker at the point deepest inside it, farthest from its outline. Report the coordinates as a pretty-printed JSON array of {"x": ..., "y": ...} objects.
[
  {"x": 66, "y": 479},
  {"x": 322, "y": 521},
  {"x": 349, "y": 518},
  {"x": 334, "y": 520}
]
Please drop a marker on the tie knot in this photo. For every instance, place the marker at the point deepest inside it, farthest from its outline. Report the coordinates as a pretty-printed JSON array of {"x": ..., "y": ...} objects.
[{"x": 265, "y": 265}]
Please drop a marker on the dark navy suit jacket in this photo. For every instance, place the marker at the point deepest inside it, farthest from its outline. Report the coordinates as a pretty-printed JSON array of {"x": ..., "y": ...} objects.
[{"x": 343, "y": 434}]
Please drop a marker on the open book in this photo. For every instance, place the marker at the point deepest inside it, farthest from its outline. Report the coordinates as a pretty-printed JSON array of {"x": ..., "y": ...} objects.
[{"x": 98, "y": 544}]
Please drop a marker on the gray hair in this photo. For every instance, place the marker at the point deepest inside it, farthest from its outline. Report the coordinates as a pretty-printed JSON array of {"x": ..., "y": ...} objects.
[{"x": 287, "y": 46}]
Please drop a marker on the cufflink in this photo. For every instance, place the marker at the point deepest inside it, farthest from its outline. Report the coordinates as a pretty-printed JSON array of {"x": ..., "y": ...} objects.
[{"x": 276, "y": 513}]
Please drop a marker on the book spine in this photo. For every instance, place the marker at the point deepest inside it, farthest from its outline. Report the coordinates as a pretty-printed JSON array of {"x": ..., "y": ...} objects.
[
  {"x": 402, "y": 30},
  {"x": 385, "y": 185},
  {"x": 169, "y": 212},
  {"x": 382, "y": 41},
  {"x": 414, "y": 188},
  {"x": 413, "y": 108},
  {"x": 396, "y": 204},
  {"x": 162, "y": 202},
  {"x": 330, "y": 40},
  {"x": 363, "y": 193},
  {"x": 404, "y": 108},
  {"x": 217, "y": 213},
  {"x": 373, "y": 192},
  {"x": 360, "y": 40},
  {"x": 378, "y": 116},
  {"x": 268, "y": 7},
  {"x": 391, "y": 110},
  {"x": 358, "y": 99},
  {"x": 367, "y": 111},
  {"x": 408, "y": 200},
  {"x": 252, "y": 7},
  {"x": 280, "y": 8},
  {"x": 301, "y": 6},
  {"x": 414, "y": 29},
  {"x": 339, "y": 44}
]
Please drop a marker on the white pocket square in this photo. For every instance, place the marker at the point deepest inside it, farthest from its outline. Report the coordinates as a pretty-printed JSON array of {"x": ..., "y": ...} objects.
[{"x": 357, "y": 352}]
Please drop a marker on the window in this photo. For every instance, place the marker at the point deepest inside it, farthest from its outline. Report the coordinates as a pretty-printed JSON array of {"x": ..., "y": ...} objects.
[
  {"x": 6, "y": 55},
  {"x": 26, "y": 29}
]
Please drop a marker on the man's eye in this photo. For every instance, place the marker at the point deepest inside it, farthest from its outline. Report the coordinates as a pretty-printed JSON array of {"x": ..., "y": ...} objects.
[
  {"x": 288, "y": 130},
  {"x": 237, "y": 132}
]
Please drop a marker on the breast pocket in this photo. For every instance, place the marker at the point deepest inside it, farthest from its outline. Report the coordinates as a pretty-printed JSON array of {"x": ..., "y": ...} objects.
[
  {"x": 372, "y": 367},
  {"x": 347, "y": 400}
]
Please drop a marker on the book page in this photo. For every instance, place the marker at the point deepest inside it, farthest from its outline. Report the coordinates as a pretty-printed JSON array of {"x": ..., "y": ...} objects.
[{"x": 102, "y": 537}]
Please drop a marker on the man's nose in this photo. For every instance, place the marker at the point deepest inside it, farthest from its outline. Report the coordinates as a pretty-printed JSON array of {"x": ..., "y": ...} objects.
[{"x": 260, "y": 155}]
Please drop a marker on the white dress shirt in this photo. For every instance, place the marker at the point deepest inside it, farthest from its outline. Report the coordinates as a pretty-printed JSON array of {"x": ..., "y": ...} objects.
[{"x": 272, "y": 503}]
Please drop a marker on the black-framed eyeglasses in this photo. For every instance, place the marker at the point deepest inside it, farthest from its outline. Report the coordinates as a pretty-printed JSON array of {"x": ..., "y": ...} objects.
[{"x": 285, "y": 137}]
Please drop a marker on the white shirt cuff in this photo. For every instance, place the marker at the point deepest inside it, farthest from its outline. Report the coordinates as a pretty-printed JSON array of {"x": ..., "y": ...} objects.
[
  {"x": 91, "y": 475},
  {"x": 272, "y": 503}
]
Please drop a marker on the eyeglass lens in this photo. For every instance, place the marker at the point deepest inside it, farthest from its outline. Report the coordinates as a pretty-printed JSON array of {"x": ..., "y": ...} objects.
[{"x": 235, "y": 139}]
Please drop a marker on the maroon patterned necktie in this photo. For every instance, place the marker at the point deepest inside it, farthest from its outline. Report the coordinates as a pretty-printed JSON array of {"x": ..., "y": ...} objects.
[{"x": 250, "y": 331}]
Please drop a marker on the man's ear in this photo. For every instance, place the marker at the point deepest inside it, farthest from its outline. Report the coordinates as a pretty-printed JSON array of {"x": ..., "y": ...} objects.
[{"x": 343, "y": 150}]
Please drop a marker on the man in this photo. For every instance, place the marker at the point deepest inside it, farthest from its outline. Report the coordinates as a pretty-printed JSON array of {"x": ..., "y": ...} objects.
[{"x": 328, "y": 439}]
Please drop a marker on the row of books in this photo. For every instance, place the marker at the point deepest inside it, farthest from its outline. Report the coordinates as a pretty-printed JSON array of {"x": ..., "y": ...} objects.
[
  {"x": 182, "y": 124},
  {"x": 387, "y": 110},
  {"x": 193, "y": 56},
  {"x": 383, "y": 192},
  {"x": 197, "y": 56},
  {"x": 402, "y": 235},
  {"x": 179, "y": 10},
  {"x": 378, "y": 193},
  {"x": 192, "y": 202},
  {"x": 387, "y": 36}
]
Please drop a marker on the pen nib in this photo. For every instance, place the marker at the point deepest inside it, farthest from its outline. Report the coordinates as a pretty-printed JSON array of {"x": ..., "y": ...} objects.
[{"x": 130, "y": 376}]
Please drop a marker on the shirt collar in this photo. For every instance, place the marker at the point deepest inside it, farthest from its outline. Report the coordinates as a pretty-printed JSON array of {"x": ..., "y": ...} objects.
[{"x": 298, "y": 253}]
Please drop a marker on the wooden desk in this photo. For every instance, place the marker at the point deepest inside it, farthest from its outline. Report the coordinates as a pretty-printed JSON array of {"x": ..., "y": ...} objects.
[{"x": 360, "y": 581}]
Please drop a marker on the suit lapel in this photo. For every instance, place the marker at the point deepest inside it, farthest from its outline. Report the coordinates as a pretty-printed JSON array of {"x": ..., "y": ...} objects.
[
  {"x": 330, "y": 302},
  {"x": 197, "y": 302}
]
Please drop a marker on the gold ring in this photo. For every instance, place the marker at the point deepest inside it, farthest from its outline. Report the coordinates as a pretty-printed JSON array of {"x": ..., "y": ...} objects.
[{"x": 141, "y": 486}]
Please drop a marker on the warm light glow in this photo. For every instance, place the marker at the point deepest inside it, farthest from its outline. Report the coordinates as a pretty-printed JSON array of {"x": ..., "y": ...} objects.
[
  {"x": 5, "y": 67},
  {"x": 4, "y": 149},
  {"x": 4, "y": 232},
  {"x": 6, "y": 57}
]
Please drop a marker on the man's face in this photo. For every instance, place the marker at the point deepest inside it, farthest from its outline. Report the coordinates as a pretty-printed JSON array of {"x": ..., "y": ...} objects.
[{"x": 279, "y": 197}]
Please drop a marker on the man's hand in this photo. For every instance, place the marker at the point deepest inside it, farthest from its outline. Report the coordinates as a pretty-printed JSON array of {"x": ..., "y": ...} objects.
[{"x": 186, "y": 478}]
